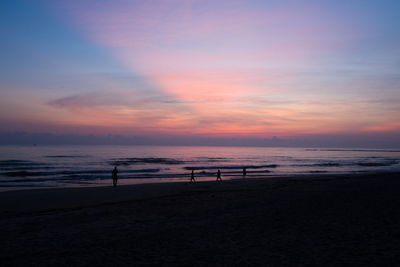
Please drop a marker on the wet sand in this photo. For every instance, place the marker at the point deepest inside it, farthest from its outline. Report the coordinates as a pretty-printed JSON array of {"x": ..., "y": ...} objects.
[{"x": 351, "y": 220}]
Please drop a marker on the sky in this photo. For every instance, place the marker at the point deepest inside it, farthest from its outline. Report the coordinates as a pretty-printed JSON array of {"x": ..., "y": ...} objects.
[{"x": 202, "y": 69}]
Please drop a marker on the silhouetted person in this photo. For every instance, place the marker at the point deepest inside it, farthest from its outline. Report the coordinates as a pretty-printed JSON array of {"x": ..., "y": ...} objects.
[
  {"x": 244, "y": 172},
  {"x": 192, "y": 177},
  {"x": 219, "y": 175},
  {"x": 115, "y": 176}
]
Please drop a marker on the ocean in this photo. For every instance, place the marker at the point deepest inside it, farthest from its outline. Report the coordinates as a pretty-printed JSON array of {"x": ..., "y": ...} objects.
[{"x": 26, "y": 167}]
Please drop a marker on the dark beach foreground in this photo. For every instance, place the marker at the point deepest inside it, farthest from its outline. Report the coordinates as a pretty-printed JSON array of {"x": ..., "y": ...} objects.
[{"x": 351, "y": 220}]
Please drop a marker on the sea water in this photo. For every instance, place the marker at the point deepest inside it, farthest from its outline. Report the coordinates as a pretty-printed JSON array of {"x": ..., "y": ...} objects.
[{"x": 23, "y": 167}]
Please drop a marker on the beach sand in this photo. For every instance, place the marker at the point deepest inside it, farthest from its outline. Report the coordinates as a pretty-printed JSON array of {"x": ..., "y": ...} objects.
[{"x": 351, "y": 220}]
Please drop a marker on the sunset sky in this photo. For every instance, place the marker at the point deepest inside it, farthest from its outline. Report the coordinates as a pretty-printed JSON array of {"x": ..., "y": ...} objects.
[{"x": 253, "y": 69}]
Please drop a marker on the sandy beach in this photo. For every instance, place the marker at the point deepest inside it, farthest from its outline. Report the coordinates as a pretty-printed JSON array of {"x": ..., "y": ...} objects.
[{"x": 351, "y": 220}]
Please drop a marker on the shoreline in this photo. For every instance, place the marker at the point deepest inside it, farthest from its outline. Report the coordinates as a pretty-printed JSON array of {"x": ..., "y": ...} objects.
[
  {"x": 201, "y": 179},
  {"x": 53, "y": 198}
]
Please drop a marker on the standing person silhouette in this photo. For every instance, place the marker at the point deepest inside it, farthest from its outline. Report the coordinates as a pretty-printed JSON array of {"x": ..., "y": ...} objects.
[
  {"x": 244, "y": 172},
  {"x": 115, "y": 176},
  {"x": 219, "y": 176},
  {"x": 192, "y": 177}
]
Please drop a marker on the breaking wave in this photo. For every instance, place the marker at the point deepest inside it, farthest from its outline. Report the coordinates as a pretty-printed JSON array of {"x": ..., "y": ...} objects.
[
  {"x": 131, "y": 161},
  {"x": 230, "y": 167}
]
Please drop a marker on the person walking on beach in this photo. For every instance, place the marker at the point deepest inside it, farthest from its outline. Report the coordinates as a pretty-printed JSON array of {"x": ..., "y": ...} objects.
[
  {"x": 192, "y": 177},
  {"x": 244, "y": 172},
  {"x": 219, "y": 176},
  {"x": 115, "y": 176}
]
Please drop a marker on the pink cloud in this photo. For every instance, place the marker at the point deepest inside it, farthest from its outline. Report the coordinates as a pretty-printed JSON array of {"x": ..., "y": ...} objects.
[{"x": 229, "y": 68}]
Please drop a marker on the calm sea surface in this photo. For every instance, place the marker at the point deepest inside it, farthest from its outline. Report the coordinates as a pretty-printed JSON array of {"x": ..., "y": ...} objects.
[{"x": 74, "y": 166}]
